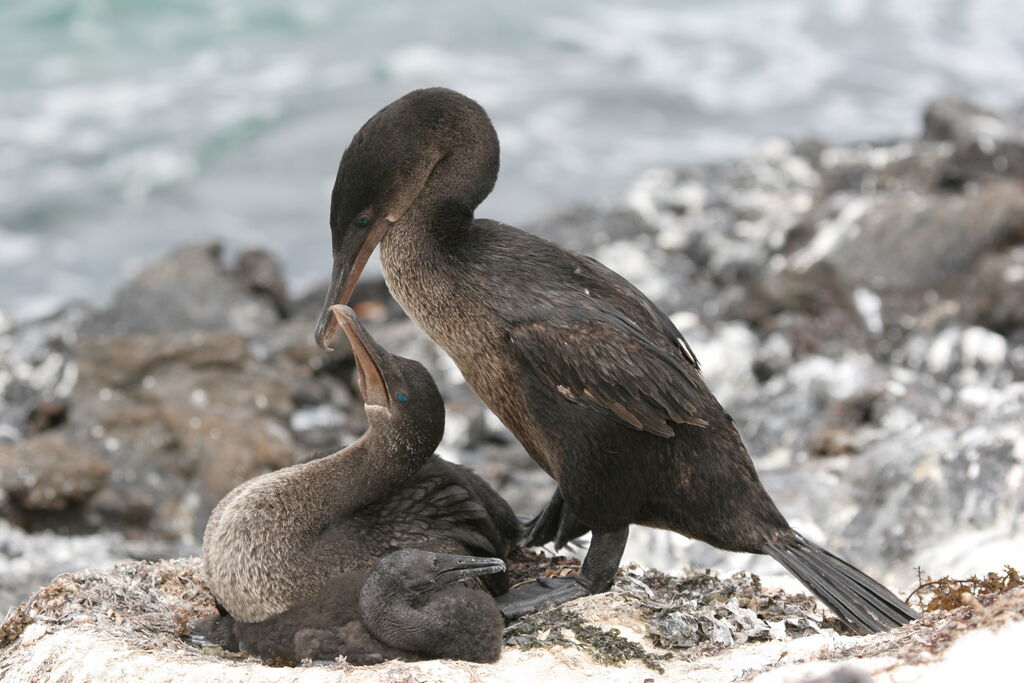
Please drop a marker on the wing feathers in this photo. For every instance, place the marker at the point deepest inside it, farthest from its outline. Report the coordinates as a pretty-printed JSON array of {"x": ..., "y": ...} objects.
[{"x": 592, "y": 354}]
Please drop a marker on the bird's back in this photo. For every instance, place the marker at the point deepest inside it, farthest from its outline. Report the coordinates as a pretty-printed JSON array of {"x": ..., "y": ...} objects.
[{"x": 443, "y": 508}]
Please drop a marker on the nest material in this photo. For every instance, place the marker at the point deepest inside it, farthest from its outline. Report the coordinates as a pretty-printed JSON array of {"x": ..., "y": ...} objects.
[
  {"x": 148, "y": 604},
  {"x": 685, "y": 616}
]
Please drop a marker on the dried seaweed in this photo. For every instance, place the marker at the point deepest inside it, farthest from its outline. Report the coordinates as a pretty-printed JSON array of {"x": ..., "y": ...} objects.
[
  {"x": 144, "y": 605},
  {"x": 140, "y": 600},
  {"x": 947, "y": 593},
  {"x": 606, "y": 645},
  {"x": 525, "y": 564}
]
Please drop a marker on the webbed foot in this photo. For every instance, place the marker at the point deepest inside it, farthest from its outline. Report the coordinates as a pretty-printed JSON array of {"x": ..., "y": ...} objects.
[
  {"x": 596, "y": 576},
  {"x": 536, "y": 595}
]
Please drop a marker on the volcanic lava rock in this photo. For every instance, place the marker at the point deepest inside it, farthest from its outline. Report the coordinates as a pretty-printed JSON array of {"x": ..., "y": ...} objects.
[
  {"x": 192, "y": 289},
  {"x": 45, "y": 474}
]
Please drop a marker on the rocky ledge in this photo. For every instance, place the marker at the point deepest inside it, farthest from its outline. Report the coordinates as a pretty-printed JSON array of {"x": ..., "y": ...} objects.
[{"x": 132, "y": 622}]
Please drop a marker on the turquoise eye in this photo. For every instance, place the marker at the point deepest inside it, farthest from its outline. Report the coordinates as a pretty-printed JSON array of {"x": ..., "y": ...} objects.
[
  {"x": 363, "y": 221},
  {"x": 402, "y": 398}
]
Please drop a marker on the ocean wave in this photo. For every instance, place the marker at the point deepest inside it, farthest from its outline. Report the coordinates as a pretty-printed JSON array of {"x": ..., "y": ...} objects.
[{"x": 231, "y": 116}]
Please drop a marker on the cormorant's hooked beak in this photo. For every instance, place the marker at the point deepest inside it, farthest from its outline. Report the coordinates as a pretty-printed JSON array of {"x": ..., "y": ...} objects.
[
  {"x": 368, "y": 354},
  {"x": 349, "y": 260},
  {"x": 454, "y": 568}
]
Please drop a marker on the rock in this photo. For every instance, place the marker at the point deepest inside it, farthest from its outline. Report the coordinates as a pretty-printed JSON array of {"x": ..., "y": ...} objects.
[
  {"x": 865, "y": 169},
  {"x": 46, "y": 474},
  {"x": 834, "y": 441},
  {"x": 182, "y": 418},
  {"x": 812, "y": 310},
  {"x": 179, "y": 405},
  {"x": 228, "y": 449},
  {"x": 261, "y": 273},
  {"x": 30, "y": 559},
  {"x": 898, "y": 241},
  {"x": 830, "y": 245},
  {"x": 131, "y": 622},
  {"x": 985, "y": 143},
  {"x": 36, "y": 371},
  {"x": 191, "y": 289},
  {"x": 996, "y": 297},
  {"x": 961, "y": 356},
  {"x": 123, "y": 361},
  {"x": 856, "y": 308},
  {"x": 929, "y": 488},
  {"x": 973, "y": 349},
  {"x": 843, "y": 674}
]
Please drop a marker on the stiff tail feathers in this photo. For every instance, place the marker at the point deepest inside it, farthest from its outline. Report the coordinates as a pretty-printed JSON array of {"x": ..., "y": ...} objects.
[{"x": 857, "y": 599}]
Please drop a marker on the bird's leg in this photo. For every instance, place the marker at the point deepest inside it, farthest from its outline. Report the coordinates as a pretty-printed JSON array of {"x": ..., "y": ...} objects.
[
  {"x": 598, "y": 572},
  {"x": 556, "y": 522},
  {"x": 602, "y": 560},
  {"x": 541, "y": 529}
]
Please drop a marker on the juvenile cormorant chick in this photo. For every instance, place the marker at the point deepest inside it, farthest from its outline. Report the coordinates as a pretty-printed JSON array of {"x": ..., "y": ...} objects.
[
  {"x": 286, "y": 553},
  {"x": 414, "y": 604},
  {"x": 594, "y": 381},
  {"x": 417, "y": 602}
]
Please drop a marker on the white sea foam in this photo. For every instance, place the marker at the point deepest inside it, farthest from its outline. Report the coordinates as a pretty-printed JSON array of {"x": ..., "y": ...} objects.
[{"x": 17, "y": 247}]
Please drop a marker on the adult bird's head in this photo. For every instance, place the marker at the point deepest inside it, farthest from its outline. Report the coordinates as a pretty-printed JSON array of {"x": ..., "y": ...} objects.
[
  {"x": 399, "y": 393},
  {"x": 433, "y": 150}
]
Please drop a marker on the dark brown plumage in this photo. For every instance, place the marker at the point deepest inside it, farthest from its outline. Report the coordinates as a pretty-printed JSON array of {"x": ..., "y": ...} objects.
[
  {"x": 593, "y": 379},
  {"x": 286, "y": 553}
]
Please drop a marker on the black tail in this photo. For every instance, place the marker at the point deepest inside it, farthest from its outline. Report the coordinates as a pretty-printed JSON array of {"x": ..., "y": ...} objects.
[{"x": 858, "y": 600}]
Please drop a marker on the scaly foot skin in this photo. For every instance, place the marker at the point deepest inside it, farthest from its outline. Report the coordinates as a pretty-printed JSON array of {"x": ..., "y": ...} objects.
[
  {"x": 596, "y": 576},
  {"x": 536, "y": 595}
]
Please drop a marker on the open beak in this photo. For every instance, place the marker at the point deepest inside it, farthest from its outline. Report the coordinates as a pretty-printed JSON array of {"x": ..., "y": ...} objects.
[
  {"x": 455, "y": 568},
  {"x": 368, "y": 354},
  {"x": 349, "y": 260}
]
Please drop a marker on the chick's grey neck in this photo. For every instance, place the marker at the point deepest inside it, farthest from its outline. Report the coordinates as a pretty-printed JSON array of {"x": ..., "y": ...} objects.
[{"x": 392, "y": 449}]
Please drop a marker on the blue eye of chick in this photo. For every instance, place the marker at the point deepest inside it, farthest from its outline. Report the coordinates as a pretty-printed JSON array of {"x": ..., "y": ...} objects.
[
  {"x": 362, "y": 221},
  {"x": 402, "y": 398}
]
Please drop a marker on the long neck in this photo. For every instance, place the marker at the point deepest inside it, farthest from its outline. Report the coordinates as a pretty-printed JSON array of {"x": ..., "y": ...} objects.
[
  {"x": 389, "y": 453},
  {"x": 430, "y": 255},
  {"x": 455, "y": 185},
  {"x": 420, "y": 257},
  {"x": 421, "y": 253}
]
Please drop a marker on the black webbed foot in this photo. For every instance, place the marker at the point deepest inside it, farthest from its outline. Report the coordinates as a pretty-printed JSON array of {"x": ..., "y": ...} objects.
[
  {"x": 536, "y": 595},
  {"x": 596, "y": 576},
  {"x": 555, "y": 523}
]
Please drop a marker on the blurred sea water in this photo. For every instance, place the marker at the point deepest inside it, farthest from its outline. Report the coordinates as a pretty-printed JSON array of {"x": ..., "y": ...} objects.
[{"x": 128, "y": 126}]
